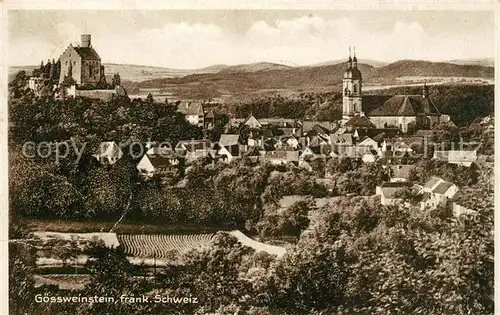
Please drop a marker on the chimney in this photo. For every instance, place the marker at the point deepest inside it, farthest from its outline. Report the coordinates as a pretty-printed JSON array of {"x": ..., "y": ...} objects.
[{"x": 86, "y": 40}]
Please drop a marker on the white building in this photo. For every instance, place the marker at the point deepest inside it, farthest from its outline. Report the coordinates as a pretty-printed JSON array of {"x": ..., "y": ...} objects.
[{"x": 108, "y": 153}]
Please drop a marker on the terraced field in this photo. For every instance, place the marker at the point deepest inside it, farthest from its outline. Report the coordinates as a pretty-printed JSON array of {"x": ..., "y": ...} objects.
[{"x": 162, "y": 246}]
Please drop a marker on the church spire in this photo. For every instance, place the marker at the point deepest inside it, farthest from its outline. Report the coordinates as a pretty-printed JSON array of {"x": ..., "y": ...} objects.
[
  {"x": 349, "y": 61},
  {"x": 355, "y": 60}
]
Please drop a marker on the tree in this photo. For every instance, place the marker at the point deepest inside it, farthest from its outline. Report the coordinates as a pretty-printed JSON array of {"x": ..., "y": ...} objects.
[
  {"x": 102, "y": 84},
  {"x": 150, "y": 99},
  {"x": 295, "y": 218},
  {"x": 111, "y": 275},
  {"x": 213, "y": 274},
  {"x": 22, "y": 266},
  {"x": 58, "y": 70},
  {"x": 116, "y": 81},
  {"x": 19, "y": 86},
  {"x": 47, "y": 69},
  {"x": 52, "y": 73},
  {"x": 310, "y": 277},
  {"x": 38, "y": 192}
]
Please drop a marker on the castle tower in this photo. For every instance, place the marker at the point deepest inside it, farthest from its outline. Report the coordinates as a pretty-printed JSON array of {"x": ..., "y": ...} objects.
[{"x": 351, "y": 89}]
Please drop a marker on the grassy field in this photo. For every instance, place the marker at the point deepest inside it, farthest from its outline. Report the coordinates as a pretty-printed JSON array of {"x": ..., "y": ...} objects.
[{"x": 74, "y": 226}]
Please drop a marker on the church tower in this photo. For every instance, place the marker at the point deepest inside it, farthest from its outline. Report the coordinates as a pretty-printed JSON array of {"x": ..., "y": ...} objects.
[{"x": 351, "y": 89}]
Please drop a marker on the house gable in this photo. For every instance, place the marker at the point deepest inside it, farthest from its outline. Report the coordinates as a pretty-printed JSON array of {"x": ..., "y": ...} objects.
[{"x": 145, "y": 165}]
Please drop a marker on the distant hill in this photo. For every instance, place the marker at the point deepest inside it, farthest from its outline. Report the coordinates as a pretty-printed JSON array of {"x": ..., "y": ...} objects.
[
  {"x": 373, "y": 63},
  {"x": 254, "y": 67},
  {"x": 13, "y": 70},
  {"x": 427, "y": 68},
  {"x": 247, "y": 79},
  {"x": 130, "y": 72},
  {"x": 485, "y": 62},
  {"x": 138, "y": 73}
]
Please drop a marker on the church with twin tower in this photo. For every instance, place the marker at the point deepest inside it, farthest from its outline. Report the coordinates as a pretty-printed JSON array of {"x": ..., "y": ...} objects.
[
  {"x": 351, "y": 89},
  {"x": 403, "y": 111}
]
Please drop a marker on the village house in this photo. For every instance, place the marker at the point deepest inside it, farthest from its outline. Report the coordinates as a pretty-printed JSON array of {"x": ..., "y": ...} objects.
[
  {"x": 108, "y": 153},
  {"x": 399, "y": 172},
  {"x": 459, "y": 210},
  {"x": 193, "y": 113},
  {"x": 424, "y": 133},
  {"x": 342, "y": 138},
  {"x": 193, "y": 156},
  {"x": 290, "y": 141},
  {"x": 460, "y": 157},
  {"x": 230, "y": 147},
  {"x": 285, "y": 128},
  {"x": 364, "y": 153},
  {"x": 320, "y": 127},
  {"x": 317, "y": 152},
  {"x": 392, "y": 192},
  {"x": 159, "y": 161},
  {"x": 317, "y": 141},
  {"x": 282, "y": 157},
  {"x": 185, "y": 146},
  {"x": 317, "y": 135},
  {"x": 263, "y": 138},
  {"x": 252, "y": 123},
  {"x": 436, "y": 192},
  {"x": 255, "y": 154},
  {"x": 305, "y": 165},
  {"x": 405, "y": 144},
  {"x": 368, "y": 142},
  {"x": 35, "y": 84},
  {"x": 209, "y": 120},
  {"x": 193, "y": 150},
  {"x": 360, "y": 123}
]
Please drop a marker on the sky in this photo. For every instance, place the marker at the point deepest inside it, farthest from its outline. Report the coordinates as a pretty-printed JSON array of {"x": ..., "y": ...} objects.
[{"x": 190, "y": 39}]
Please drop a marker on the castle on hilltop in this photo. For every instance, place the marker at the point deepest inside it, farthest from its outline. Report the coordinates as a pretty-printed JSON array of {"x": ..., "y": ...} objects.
[
  {"x": 405, "y": 112},
  {"x": 82, "y": 63}
]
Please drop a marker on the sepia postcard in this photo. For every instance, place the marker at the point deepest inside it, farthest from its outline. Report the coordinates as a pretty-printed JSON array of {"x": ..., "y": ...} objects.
[{"x": 330, "y": 158}]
